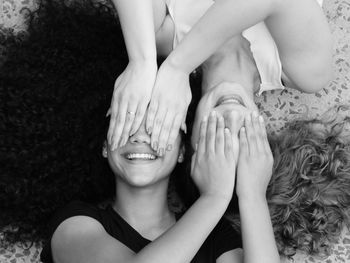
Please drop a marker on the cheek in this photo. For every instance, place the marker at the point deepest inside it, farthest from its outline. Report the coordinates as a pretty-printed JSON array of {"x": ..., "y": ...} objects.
[{"x": 114, "y": 162}]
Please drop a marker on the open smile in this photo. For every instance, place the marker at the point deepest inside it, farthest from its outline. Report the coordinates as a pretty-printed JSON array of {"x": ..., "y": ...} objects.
[
  {"x": 228, "y": 99},
  {"x": 141, "y": 156}
]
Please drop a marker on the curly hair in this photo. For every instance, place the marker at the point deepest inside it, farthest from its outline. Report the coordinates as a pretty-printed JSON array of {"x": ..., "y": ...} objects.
[
  {"x": 309, "y": 192},
  {"x": 56, "y": 82}
]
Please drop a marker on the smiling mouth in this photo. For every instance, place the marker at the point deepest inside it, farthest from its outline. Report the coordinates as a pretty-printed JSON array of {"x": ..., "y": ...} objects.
[
  {"x": 141, "y": 156},
  {"x": 230, "y": 99}
]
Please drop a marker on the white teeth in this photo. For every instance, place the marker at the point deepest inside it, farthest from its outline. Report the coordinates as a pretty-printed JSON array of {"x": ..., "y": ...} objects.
[
  {"x": 231, "y": 100},
  {"x": 143, "y": 156}
]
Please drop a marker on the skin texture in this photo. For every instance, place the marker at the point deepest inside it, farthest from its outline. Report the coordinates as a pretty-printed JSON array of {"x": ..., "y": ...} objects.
[
  {"x": 144, "y": 183},
  {"x": 293, "y": 24}
]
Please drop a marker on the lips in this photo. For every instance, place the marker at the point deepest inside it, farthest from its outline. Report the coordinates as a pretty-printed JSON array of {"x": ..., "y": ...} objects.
[
  {"x": 141, "y": 156},
  {"x": 228, "y": 99}
]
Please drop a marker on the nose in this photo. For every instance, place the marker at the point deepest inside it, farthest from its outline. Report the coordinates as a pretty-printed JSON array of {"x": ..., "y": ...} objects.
[{"x": 141, "y": 135}]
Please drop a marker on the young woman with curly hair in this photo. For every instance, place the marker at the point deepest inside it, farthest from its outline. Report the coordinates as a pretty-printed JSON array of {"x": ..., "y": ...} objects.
[
  {"x": 54, "y": 87},
  {"x": 308, "y": 194}
]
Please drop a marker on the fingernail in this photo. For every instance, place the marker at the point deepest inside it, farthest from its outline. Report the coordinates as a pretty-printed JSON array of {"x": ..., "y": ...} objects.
[
  {"x": 113, "y": 147},
  {"x": 123, "y": 142},
  {"x": 155, "y": 146},
  {"x": 160, "y": 151},
  {"x": 212, "y": 114},
  {"x": 261, "y": 118},
  {"x": 169, "y": 147},
  {"x": 196, "y": 146},
  {"x": 255, "y": 114},
  {"x": 149, "y": 130}
]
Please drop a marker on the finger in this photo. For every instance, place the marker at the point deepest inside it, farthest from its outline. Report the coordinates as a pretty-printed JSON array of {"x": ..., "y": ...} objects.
[
  {"x": 174, "y": 132},
  {"x": 164, "y": 133},
  {"x": 112, "y": 121},
  {"x": 220, "y": 137},
  {"x": 257, "y": 132},
  {"x": 201, "y": 149},
  {"x": 157, "y": 125},
  {"x": 193, "y": 161},
  {"x": 183, "y": 125},
  {"x": 129, "y": 119},
  {"x": 109, "y": 112},
  {"x": 119, "y": 125},
  {"x": 228, "y": 145},
  {"x": 111, "y": 128},
  {"x": 211, "y": 132},
  {"x": 243, "y": 142},
  {"x": 152, "y": 110},
  {"x": 140, "y": 114},
  {"x": 267, "y": 147},
  {"x": 233, "y": 121},
  {"x": 250, "y": 134}
]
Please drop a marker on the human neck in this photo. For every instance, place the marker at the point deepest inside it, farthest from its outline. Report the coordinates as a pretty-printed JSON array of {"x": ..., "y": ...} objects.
[
  {"x": 144, "y": 209},
  {"x": 233, "y": 62}
]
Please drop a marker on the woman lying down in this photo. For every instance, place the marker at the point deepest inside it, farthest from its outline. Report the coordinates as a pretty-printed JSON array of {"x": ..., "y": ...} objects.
[{"x": 61, "y": 94}]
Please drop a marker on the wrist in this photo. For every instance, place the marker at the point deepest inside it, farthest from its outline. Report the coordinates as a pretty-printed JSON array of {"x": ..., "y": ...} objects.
[
  {"x": 252, "y": 199},
  {"x": 149, "y": 61},
  {"x": 144, "y": 66},
  {"x": 176, "y": 63}
]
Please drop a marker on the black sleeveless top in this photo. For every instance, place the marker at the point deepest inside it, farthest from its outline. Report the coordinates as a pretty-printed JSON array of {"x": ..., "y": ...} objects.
[{"x": 223, "y": 238}]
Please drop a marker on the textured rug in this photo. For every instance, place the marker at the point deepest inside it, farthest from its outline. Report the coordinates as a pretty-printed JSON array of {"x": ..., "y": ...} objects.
[{"x": 278, "y": 107}]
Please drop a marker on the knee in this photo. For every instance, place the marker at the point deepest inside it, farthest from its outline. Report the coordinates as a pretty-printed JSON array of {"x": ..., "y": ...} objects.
[
  {"x": 318, "y": 80},
  {"x": 312, "y": 80}
]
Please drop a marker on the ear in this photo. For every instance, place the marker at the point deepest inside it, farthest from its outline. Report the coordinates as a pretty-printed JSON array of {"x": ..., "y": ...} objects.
[
  {"x": 181, "y": 157},
  {"x": 104, "y": 149}
]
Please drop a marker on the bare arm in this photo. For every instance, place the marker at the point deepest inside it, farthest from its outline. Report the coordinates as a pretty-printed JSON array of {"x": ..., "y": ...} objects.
[
  {"x": 253, "y": 175},
  {"x": 258, "y": 238},
  {"x": 213, "y": 171},
  {"x": 136, "y": 18},
  {"x": 83, "y": 239},
  {"x": 133, "y": 88},
  {"x": 298, "y": 27}
]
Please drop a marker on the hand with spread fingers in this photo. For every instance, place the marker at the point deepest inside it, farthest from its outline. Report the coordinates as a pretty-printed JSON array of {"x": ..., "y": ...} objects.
[
  {"x": 168, "y": 107},
  {"x": 132, "y": 93},
  {"x": 255, "y": 159},
  {"x": 213, "y": 164}
]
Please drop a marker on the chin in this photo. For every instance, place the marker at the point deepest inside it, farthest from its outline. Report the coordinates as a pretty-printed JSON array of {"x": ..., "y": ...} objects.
[{"x": 141, "y": 180}]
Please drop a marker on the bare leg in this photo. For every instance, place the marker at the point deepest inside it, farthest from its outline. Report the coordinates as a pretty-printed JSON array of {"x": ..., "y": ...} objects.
[{"x": 302, "y": 35}]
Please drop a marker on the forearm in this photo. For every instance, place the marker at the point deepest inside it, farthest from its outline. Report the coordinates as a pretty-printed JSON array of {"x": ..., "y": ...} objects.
[
  {"x": 259, "y": 244},
  {"x": 136, "y": 19},
  {"x": 183, "y": 240},
  {"x": 223, "y": 20}
]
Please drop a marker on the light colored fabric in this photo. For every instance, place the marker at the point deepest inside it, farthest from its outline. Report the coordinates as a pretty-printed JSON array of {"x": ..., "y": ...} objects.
[{"x": 185, "y": 13}]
